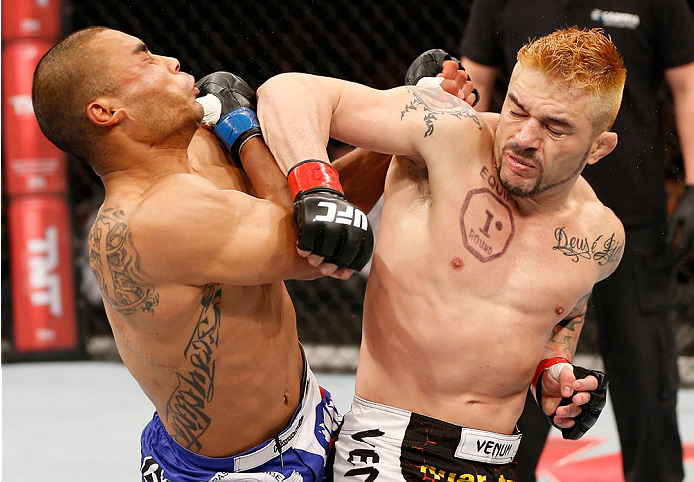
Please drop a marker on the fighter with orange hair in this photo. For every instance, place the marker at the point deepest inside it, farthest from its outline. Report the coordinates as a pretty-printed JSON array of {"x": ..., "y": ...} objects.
[{"x": 489, "y": 245}]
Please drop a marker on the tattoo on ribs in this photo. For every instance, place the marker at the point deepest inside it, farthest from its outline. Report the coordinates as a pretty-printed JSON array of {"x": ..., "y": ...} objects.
[
  {"x": 115, "y": 263},
  {"x": 604, "y": 250},
  {"x": 185, "y": 409},
  {"x": 436, "y": 102}
]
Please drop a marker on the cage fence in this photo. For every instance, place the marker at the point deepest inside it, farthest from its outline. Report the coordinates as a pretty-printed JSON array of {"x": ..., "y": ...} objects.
[{"x": 368, "y": 42}]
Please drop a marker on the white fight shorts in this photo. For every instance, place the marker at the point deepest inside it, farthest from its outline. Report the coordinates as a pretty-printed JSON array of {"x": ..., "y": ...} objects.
[{"x": 378, "y": 443}]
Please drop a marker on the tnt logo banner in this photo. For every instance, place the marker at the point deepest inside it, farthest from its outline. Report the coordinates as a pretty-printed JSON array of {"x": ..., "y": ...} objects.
[{"x": 42, "y": 280}]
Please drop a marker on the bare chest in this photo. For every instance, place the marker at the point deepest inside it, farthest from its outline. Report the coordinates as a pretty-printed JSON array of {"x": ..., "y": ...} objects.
[{"x": 474, "y": 242}]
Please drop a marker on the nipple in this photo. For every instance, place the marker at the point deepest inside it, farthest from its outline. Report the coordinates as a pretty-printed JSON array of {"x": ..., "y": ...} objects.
[
  {"x": 559, "y": 310},
  {"x": 456, "y": 263}
]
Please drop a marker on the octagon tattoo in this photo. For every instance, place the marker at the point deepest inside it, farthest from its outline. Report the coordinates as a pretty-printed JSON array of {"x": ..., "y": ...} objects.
[{"x": 487, "y": 225}]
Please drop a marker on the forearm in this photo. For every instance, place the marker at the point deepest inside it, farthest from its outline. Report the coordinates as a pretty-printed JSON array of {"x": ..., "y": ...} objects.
[
  {"x": 268, "y": 180},
  {"x": 363, "y": 175},
  {"x": 295, "y": 118},
  {"x": 684, "y": 118},
  {"x": 681, "y": 81},
  {"x": 483, "y": 78}
]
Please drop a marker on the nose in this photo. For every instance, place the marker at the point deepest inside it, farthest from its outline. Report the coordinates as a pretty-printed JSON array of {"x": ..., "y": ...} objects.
[
  {"x": 529, "y": 134},
  {"x": 172, "y": 64}
]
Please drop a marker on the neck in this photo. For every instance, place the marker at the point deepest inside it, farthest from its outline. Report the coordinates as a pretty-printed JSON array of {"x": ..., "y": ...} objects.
[
  {"x": 553, "y": 200},
  {"x": 146, "y": 166}
]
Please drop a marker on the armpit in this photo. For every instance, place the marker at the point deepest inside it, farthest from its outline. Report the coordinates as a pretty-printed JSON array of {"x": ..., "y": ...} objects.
[{"x": 415, "y": 170}]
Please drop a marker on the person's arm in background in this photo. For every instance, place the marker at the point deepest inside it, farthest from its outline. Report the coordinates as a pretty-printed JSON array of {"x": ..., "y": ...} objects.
[
  {"x": 480, "y": 49},
  {"x": 681, "y": 229},
  {"x": 484, "y": 78}
]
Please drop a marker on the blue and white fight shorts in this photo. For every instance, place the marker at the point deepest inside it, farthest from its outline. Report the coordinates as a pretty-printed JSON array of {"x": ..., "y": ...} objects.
[{"x": 304, "y": 444}]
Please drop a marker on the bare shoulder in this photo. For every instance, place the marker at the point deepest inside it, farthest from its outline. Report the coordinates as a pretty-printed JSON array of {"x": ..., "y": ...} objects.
[
  {"x": 189, "y": 232},
  {"x": 448, "y": 133},
  {"x": 435, "y": 109},
  {"x": 604, "y": 227},
  {"x": 182, "y": 204}
]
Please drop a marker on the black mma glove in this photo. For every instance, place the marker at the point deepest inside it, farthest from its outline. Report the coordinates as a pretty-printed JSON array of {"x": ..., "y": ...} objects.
[
  {"x": 589, "y": 411},
  {"x": 329, "y": 226},
  {"x": 237, "y": 120},
  {"x": 683, "y": 217},
  {"x": 429, "y": 64}
]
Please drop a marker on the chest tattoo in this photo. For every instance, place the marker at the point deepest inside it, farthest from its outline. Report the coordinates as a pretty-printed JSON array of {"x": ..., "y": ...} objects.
[
  {"x": 487, "y": 225},
  {"x": 436, "y": 102},
  {"x": 604, "y": 249},
  {"x": 114, "y": 262},
  {"x": 185, "y": 409}
]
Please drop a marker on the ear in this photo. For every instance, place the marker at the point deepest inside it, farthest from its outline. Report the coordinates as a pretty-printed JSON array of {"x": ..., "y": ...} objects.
[
  {"x": 602, "y": 146},
  {"x": 104, "y": 112}
]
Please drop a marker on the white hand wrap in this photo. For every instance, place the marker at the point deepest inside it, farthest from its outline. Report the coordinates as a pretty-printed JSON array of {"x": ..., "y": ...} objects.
[
  {"x": 212, "y": 109},
  {"x": 555, "y": 370},
  {"x": 433, "y": 82}
]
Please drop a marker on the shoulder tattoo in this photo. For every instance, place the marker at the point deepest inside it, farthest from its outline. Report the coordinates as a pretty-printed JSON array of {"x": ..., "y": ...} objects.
[
  {"x": 115, "y": 263},
  {"x": 435, "y": 103},
  {"x": 604, "y": 249}
]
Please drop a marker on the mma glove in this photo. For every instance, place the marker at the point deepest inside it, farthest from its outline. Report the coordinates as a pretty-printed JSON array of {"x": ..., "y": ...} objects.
[
  {"x": 235, "y": 121},
  {"x": 589, "y": 411},
  {"x": 329, "y": 226},
  {"x": 428, "y": 65},
  {"x": 683, "y": 218}
]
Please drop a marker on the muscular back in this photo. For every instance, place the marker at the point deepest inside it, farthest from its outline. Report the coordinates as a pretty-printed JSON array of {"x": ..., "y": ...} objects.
[
  {"x": 210, "y": 339},
  {"x": 465, "y": 289}
]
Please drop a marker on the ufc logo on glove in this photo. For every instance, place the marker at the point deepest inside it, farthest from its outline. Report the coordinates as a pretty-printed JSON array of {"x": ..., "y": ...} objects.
[
  {"x": 350, "y": 215},
  {"x": 329, "y": 226}
]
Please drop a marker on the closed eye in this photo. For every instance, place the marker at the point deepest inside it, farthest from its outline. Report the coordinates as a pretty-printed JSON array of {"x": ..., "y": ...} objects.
[{"x": 554, "y": 133}]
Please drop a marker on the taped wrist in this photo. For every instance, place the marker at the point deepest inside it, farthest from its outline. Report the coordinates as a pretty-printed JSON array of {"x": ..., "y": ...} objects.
[
  {"x": 313, "y": 175},
  {"x": 235, "y": 128},
  {"x": 555, "y": 365}
]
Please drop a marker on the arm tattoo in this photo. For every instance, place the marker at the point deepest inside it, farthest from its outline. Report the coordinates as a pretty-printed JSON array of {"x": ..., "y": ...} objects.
[
  {"x": 580, "y": 308},
  {"x": 604, "y": 250},
  {"x": 436, "y": 102},
  {"x": 115, "y": 263},
  {"x": 564, "y": 338},
  {"x": 185, "y": 409}
]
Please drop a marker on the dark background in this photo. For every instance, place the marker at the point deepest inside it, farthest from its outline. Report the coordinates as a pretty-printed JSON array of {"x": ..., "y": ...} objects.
[{"x": 367, "y": 42}]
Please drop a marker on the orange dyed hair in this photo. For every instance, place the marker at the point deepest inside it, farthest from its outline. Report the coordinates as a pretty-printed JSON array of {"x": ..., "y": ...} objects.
[{"x": 586, "y": 59}]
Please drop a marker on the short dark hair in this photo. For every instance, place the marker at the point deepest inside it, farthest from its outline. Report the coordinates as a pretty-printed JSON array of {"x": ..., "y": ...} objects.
[{"x": 67, "y": 78}]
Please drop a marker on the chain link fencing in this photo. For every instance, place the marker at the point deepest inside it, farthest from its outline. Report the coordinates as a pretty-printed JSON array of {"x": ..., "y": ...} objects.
[{"x": 368, "y": 42}]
